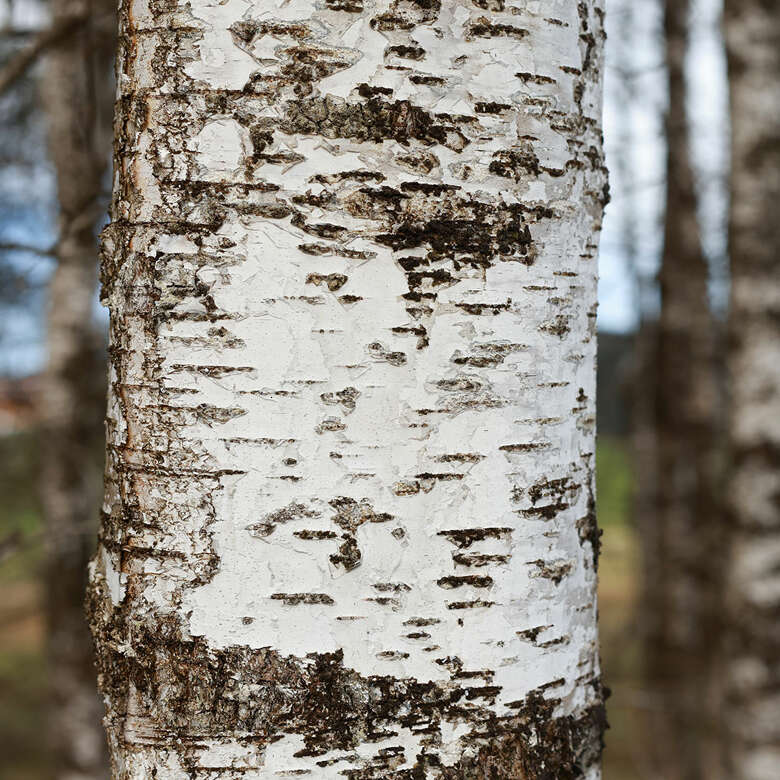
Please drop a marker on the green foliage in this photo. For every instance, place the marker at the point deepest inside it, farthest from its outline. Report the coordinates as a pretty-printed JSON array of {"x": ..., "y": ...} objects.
[
  {"x": 23, "y": 693},
  {"x": 23, "y": 685},
  {"x": 20, "y": 516},
  {"x": 618, "y": 593},
  {"x": 614, "y": 482}
]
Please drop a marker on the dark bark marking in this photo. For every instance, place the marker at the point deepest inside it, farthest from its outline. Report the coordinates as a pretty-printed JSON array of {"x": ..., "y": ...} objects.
[
  {"x": 479, "y": 559},
  {"x": 378, "y": 352},
  {"x": 472, "y": 580},
  {"x": 287, "y": 514},
  {"x": 483, "y": 28},
  {"x": 374, "y": 119},
  {"x": 330, "y": 425},
  {"x": 406, "y": 52},
  {"x": 293, "y": 599},
  {"x": 346, "y": 398},
  {"x": 334, "y": 282},
  {"x": 465, "y": 537},
  {"x": 553, "y": 570}
]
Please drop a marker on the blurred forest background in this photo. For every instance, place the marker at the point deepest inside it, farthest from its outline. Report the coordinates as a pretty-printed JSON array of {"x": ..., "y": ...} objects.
[{"x": 662, "y": 405}]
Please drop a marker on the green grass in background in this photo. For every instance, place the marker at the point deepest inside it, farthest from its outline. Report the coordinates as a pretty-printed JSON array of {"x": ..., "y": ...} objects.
[
  {"x": 613, "y": 482},
  {"x": 23, "y": 686},
  {"x": 618, "y": 589},
  {"x": 20, "y": 517},
  {"x": 23, "y": 691}
]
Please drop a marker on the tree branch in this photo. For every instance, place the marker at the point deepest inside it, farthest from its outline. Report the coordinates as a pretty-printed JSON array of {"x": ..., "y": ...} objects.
[
  {"x": 36, "y": 250},
  {"x": 23, "y": 59}
]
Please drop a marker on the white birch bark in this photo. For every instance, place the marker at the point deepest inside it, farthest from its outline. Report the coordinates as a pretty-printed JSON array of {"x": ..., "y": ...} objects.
[
  {"x": 349, "y": 526},
  {"x": 753, "y": 42}
]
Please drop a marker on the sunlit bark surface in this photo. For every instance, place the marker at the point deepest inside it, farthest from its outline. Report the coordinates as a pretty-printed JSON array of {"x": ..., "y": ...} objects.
[
  {"x": 349, "y": 525},
  {"x": 753, "y": 40}
]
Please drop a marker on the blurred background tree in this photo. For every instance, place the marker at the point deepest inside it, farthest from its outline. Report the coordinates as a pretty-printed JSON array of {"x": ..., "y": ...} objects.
[
  {"x": 680, "y": 553},
  {"x": 679, "y": 519},
  {"x": 753, "y": 507},
  {"x": 72, "y": 100},
  {"x": 77, "y": 97}
]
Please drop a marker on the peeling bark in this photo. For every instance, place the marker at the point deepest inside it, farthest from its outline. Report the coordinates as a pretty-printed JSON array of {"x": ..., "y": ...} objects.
[
  {"x": 349, "y": 524},
  {"x": 753, "y": 46},
  {"x": 78, "y": 110}
]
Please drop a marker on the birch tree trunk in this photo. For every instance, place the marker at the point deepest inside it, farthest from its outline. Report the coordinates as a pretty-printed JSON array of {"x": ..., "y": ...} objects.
[
  {"x": 76, "y": 95},
  {"x": 349, "y": 525},
  {"x": 753, "y": 43},
  {"x": 681, "y": 535}
]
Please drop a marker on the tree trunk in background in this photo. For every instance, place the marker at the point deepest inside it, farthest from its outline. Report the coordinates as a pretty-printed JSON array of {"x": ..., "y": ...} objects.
[
  {"x": 77, "y": 99},
  {"x": 681, "y": 534},
  {"x": 753, "y": 43},
  {"x": 349, "y": 524}
]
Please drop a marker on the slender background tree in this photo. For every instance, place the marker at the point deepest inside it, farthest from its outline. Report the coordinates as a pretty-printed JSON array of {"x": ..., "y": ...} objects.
[
  {"x": 753, "y": 43},
  {"x": 77, "y": 95},
  {"x": 681, "y": 532}
]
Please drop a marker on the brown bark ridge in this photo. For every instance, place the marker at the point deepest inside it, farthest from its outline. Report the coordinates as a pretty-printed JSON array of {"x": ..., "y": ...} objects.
[
  {"x": 752, "y": 30},
  {"x": 349, "y": 518},
  {"x": 681, "y": 534},
  {"x": 76, "y": 93}
]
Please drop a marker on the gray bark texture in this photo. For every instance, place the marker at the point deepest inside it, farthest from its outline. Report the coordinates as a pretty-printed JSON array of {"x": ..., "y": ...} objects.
[
  {"x": 753, "y": 45},
  {"x": 680, "y": 527},
  {"x": 76, "y": 96},
  {"x": 349, "y": 520}
]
